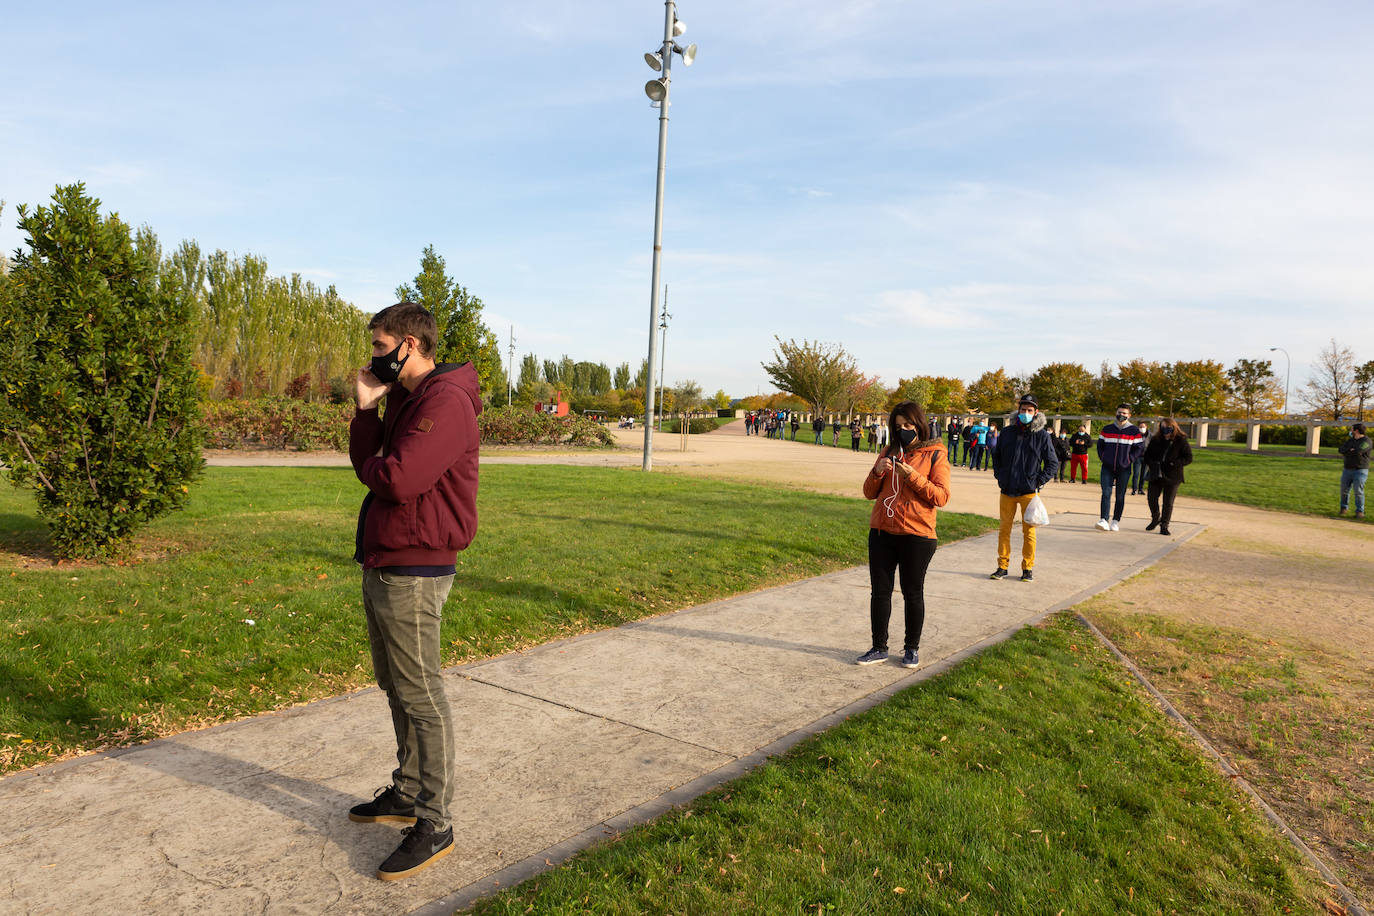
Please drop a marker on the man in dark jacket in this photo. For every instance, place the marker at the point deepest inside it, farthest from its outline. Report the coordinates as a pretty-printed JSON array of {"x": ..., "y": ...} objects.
[
  {"x": 1138, "y": 474},
  {"x": 1023, "y": 461},
  {"x": 1355, "y": 471},
  {"x": 818, "y": 427},
  {"x": 1118, "y": 446},
  {"x": 952, "y": 440},
  {"x": 419, "y": 464}
]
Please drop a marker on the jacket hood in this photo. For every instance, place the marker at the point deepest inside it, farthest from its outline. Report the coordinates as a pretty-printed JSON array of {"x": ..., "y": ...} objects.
[{"x": 460, "y": 375}]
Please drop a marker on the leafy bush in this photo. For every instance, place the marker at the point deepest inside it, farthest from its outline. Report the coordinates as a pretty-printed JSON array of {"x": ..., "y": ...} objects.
[
  {"x": 99, "y": 401},
  {"x": 277, "y": 422},
  {"x": 283, "y": 423},
  {"x": 519, "y": 426},
  {"x": 1295, "y": 435},
  {"x": 695, "y": 426}
]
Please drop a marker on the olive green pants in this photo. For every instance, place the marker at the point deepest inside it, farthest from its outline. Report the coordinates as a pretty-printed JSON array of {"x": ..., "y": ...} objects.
[{"x": 403, "y": 614}]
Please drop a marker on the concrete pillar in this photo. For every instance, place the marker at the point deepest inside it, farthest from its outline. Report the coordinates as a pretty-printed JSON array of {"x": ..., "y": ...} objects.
[
  {"x": 1252, "y": 434},
  {"x": 1057, "y": 421},
  {"x": 1202, "y": 426},
  {"x": 1314, "y": 439}
]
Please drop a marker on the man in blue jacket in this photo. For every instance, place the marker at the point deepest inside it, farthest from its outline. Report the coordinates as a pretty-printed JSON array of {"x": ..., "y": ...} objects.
[
  {"x": 1023, "y": 461},
  {"x": 1119, "y": 446}
]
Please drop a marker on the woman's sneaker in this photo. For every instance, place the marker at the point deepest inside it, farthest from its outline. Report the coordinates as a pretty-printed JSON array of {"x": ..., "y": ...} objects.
[
  {"x": 911, "y": 658},
  {"x": 422, "y": 847},
  {"x": 386, "y": 806},
  {"x": 1103, "y": 525},
  {"x": 872, "y": 657}
]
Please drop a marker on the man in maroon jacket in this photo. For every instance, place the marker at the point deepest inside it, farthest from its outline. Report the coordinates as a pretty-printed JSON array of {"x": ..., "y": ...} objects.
[{"x": 419, "y": 464}]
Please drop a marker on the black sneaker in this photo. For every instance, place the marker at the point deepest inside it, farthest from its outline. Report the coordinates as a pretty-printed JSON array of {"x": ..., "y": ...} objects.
[
  {"x": 386, "y": 806},
  {"x": 872, "y": 657},
  {"x": 1152, "y": 526},
  {"x": 1026, "y": 576},
  {"x": 422, "y": 847},
  {"x": 998, "y": 573},
  {"x": 911, "y": 658}
]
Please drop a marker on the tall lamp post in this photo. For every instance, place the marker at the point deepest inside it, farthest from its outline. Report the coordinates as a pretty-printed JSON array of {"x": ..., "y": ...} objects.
[
  {"x": 662, "y": 352},
  {"x": 657, "y": 91},
  {"x": 1287, "y": 374},
  {"x": 510, "y": 367}
]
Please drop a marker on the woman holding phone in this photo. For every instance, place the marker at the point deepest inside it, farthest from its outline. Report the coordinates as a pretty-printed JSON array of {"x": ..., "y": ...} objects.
[{"x": 907, "y": 483}]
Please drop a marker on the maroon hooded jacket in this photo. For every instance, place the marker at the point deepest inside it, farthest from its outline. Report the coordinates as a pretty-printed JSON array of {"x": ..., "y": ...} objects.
[{"x": 419, "y": 465}]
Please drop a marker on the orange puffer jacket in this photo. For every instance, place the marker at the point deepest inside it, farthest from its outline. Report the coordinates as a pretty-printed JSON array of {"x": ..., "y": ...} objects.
[{"x": 907, "y": 505}]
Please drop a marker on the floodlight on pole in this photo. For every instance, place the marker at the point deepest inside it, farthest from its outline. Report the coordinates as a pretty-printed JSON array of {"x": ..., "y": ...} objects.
[{"x": 657, "y": 91}]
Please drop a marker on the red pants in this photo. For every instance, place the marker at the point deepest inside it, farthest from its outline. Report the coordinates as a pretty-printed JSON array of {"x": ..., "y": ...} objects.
[{"x": 1076, "y": 462}]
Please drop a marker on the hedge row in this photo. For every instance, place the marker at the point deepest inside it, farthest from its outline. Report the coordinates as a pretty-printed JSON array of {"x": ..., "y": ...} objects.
[
  {"x": 286, "y": 423},
  {"x": 1295, "y": 435}
]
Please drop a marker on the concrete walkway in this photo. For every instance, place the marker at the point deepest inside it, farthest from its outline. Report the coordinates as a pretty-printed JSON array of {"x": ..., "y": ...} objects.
[{"x": 559, "y": 746}]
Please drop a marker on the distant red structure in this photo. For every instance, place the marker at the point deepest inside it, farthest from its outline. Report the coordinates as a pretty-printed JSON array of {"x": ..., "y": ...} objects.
[{"x": 558, "y": 407}]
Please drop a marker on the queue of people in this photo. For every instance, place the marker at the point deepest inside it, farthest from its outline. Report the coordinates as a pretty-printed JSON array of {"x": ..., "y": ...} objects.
[{"x": 911, "y": 480}]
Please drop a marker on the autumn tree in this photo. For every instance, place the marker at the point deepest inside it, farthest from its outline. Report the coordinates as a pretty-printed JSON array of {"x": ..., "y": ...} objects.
[
  {"x": 1194, "y": 388},
  {"x": 993, "y": 393},
  {"x": 868, "y": 394},
  {"x": 1331, "y": 387},
  {"x": 621, "y": 379},
  {"x": 916, "y": 389},
  {"x": 1061, "y": 387},
  {"x": 946, "y": 394},
  {"x": 1253, "y": 384},
  {"x": 1140, "y": 384},
  {"x": 820, "y": 374}
]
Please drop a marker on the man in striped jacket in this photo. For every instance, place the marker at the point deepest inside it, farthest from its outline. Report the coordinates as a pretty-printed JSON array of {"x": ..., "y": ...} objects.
[{"x": 1118, "y": 446}]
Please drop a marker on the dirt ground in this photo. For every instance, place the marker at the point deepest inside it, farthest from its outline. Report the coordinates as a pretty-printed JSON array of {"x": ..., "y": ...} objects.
[{"x": 1285, "y": 687}]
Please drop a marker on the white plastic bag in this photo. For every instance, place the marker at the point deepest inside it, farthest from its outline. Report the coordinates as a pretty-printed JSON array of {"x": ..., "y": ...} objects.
[{"x": 1035, "y": 514}]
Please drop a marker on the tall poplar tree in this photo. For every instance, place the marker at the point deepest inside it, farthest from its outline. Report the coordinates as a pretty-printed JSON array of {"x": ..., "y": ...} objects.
[{"x": 463, "y": 337}]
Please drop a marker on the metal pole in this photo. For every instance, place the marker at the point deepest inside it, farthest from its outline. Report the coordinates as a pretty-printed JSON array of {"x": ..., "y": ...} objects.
[
  {"x": 1287, "y": 376},
  {"x": 662, "y": 353},
  {"x": 667, "y": 54},
  {"x": 510, "y": 367}
]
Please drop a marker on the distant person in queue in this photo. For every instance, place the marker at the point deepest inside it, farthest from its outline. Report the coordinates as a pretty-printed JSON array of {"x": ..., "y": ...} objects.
[
  {"x": 1355, "y": 469},
  {"x": 419, "y": 464},
  {"x": 909, "y": 481},
  {"x": 1165, "y": 458}
]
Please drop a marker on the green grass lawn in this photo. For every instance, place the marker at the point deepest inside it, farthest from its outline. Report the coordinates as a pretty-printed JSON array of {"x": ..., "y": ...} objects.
[
  {"x": 94, "y": 655},
  {"x": 1308, "y": 486},
  {"x": 1033, "y": 778}
]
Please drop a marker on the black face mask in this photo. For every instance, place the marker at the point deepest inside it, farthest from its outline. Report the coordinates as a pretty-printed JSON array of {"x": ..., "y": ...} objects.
[
  {"x": 387, "y": 368},
  {"x": 906, "y": 437}
]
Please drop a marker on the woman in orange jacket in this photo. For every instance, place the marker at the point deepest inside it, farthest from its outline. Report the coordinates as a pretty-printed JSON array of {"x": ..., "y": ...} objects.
[{"x": 908, "y": 482}]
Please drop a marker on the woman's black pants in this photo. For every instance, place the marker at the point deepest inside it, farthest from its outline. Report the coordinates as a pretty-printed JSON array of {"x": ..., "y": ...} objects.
[
  {"x": 887, "y": 554},
  {"x": 1152, "y": 494}
]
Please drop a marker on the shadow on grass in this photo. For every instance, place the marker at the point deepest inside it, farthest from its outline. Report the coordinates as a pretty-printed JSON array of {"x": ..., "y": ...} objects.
[
  {"x": 25, "y": 536},
  {"x": 29, "y": 699}
]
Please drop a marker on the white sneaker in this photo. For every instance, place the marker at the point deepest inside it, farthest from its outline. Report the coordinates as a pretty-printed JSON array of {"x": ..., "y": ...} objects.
[
  {"x": 1103, "y": 525},
  {"x": 1116, "y": 526}
]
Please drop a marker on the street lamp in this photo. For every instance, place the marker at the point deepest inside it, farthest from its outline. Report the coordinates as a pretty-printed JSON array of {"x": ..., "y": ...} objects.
[
  {"x": 662, "y": 352},
  {"x": 660, "y": 61},
  {"x": 510, "y": 366},
  {"x": 1287, "y": 374}
]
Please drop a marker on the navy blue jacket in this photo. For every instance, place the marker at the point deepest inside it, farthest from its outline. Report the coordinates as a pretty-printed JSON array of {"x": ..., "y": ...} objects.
[{"x": 1023, "y": 460}]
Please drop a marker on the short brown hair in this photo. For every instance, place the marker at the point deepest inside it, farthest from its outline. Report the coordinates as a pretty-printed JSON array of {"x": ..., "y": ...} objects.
[{"x": 407, "y": 319}]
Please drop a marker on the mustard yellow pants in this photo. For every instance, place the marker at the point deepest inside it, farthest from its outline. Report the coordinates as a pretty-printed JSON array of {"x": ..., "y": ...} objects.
[{"x": 1008, "y": 505}]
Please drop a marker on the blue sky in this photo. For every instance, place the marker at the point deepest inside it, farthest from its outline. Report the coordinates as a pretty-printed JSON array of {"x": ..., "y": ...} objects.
[{"x": 940, "y": 188}]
